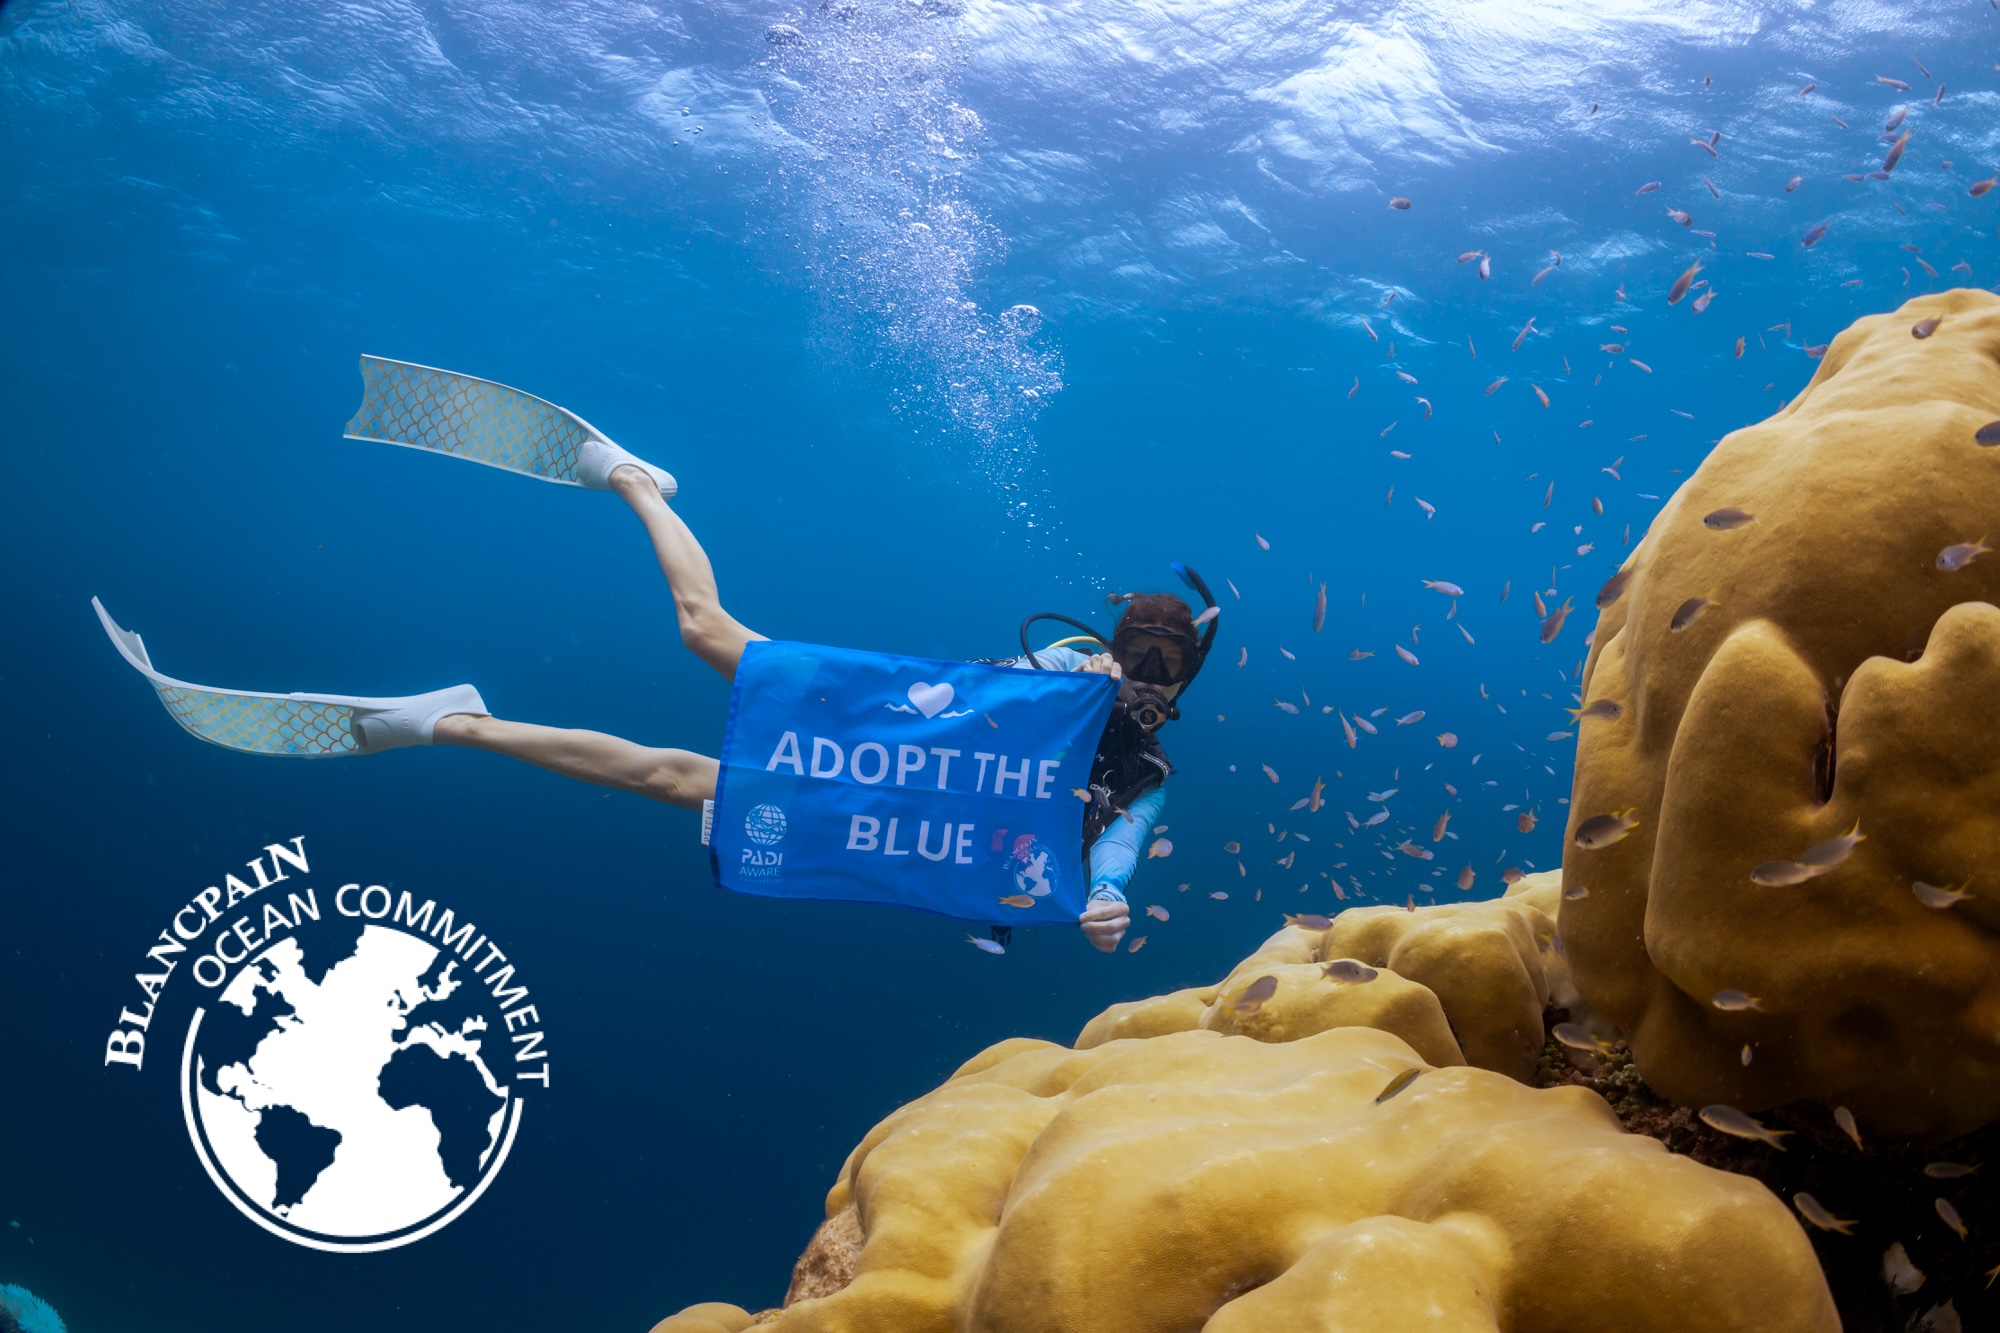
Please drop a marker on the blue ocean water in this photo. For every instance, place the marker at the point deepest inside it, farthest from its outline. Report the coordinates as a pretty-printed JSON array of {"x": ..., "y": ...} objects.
[{"x": 778, "y": 250}]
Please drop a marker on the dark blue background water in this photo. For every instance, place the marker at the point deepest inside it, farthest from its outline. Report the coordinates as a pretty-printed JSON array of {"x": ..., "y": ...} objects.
[{"x": 208, "y": 215}]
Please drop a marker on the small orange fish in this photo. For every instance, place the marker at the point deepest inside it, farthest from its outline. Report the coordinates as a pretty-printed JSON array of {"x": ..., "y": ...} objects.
[
  {"x": 1437, "y": 829},
  {"x": 1233, "y": 848},
  {"x": 1406, "y": 654},
  {"x": 1680, "y": 287},
  {"x": 1017, "y": 900},
  {"x": 1157, "y": 912},
  {"x": 1525, "y": 821},
  {"x": 1137, "y": 944},
  {"x": 1924, "y": 328},
  {"x": 1309, "y": 921},
  {"x": 1722, "y": 520},
  {"x": 1539, "y": 394},
  {"x": 1269, "y": 772},
  {"x": 1512, "y": 875},
  {"x": 1399, "y": 202},
  {"x": 1466, "y": 877},
  {"x": 1946, "y": 1213},
  {"x": 1319, "y": 610},
  {"x": 1739, "y": 349},
  {"x": 1494, "y": 387},
  {"x": 1895, "y": 153},
  {"x": 1978, "y": 188},
  {"x": 1449, "y": 740},
  {"x": 1161, "y": 847},
  {"x": 1552, "y": 626}
]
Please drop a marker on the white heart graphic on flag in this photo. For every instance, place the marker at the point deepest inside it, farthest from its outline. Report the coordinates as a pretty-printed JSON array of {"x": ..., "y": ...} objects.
[{"x": 930, "y": 700}]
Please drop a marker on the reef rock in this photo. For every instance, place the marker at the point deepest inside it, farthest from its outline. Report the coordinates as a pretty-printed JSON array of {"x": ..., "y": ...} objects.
[
  {"x": 1208, "y": 1162},
  {"x": 708, "y": 1317},
  {"x": 1462, "y": 983},
  {"x": 1196, "y": 1181},
  {"x": 1785, "y": 673}
]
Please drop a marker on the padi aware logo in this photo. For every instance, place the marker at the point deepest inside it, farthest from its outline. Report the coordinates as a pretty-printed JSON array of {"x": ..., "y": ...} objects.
[{"x": 354, "y": 1070}]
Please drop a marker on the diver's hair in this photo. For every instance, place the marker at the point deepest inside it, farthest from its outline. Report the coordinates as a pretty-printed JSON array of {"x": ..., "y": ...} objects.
[{"x": 1161, "y": 610}]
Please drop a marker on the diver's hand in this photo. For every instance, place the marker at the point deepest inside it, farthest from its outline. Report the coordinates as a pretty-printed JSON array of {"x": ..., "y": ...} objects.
[
  {"x": 1103, "y": 664},
  {"x": 1104, "y": 923}
]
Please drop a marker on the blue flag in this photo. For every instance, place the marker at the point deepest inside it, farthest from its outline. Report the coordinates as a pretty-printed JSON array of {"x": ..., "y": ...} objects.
[{"x": 947, "y": 786}]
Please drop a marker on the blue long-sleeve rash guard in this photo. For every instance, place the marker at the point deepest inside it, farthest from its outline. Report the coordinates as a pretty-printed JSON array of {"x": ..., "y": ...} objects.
[{"x": 1115, "y": 854}]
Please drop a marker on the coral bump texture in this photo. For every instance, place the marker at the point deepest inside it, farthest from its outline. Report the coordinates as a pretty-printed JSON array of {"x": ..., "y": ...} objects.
[
  {"x": 1310, "y": 1172},
  {"x": 1839, "y": 676}
]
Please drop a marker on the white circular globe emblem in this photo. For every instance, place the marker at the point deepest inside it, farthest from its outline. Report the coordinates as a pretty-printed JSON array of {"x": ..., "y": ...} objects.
[
  {"x": 375, "y": 1059},
  {"x": 764, "y": 825}
]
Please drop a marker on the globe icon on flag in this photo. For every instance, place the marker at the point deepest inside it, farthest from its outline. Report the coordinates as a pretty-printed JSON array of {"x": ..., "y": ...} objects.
[{"x": 764, "y": 825}]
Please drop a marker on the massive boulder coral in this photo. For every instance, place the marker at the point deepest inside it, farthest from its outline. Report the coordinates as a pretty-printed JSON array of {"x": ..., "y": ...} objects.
[
  {"x": 1195, "y": 1181},
  {"x": 1463, "y": 983},
  {"x": 1170, "y": 1176},
  {"x": 1781, "y": 679}
]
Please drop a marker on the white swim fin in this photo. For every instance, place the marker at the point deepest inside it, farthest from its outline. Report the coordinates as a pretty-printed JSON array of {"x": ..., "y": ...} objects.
[
  {"x": 311, "y": 726},
  {"x": 421, "y": 407}
]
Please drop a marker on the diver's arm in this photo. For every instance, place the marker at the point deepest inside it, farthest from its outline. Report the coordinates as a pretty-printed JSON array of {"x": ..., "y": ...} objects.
[
  {"x": 1113, "y": 858},
  {"x": 1115, "y": 854}
]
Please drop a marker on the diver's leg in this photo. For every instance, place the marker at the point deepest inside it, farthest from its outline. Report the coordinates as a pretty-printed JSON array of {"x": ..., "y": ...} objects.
[
  {"x": 675, "y": 777},
  {"x": 709, "y": 632}
]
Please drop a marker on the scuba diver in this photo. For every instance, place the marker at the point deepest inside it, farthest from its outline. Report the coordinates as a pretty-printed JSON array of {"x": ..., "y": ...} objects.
[{"x": 1154, "y": 652}]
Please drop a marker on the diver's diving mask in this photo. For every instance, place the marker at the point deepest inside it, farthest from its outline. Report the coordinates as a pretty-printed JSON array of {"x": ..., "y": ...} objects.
[
  {"x": 1150, "y": 657},
  {"x": 1157, "y": 662}
]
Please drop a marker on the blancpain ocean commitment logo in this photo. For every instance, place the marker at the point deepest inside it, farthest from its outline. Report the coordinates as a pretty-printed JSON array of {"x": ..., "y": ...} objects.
[{"x": 354, "y": 1069}]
